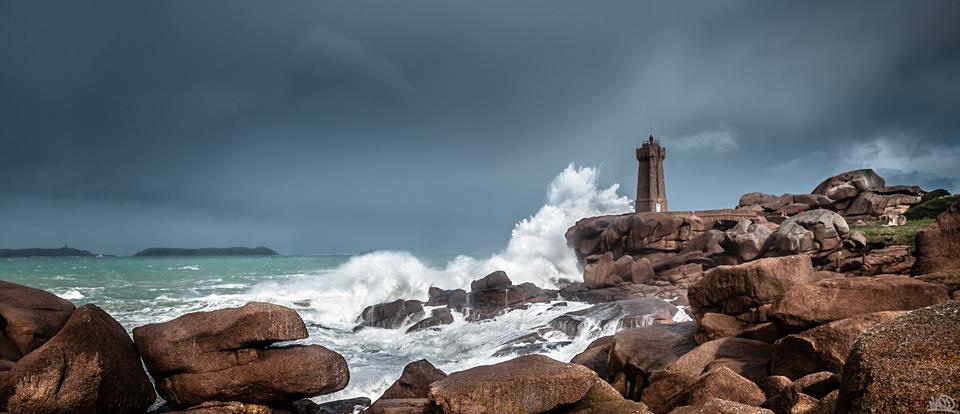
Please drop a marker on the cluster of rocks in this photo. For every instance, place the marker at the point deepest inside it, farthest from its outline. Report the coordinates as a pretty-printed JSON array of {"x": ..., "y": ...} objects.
[
  {"x": 55, "y": 358},
  {"x": 489, "y": 296},
  {"x": 858, "y": 194}
]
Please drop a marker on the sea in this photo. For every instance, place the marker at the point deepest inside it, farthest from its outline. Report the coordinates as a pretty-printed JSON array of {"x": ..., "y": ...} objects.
[{"x": 330, "y": 291}]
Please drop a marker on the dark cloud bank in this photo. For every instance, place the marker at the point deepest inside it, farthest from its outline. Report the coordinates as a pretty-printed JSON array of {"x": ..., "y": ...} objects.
[{"x": 433, "y": 126}]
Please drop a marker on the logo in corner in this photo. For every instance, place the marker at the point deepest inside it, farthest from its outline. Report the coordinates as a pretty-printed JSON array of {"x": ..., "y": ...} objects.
[{"x": 942, "y": 404}]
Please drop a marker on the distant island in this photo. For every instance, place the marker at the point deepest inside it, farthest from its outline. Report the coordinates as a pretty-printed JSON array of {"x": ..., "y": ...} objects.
[
  {"x": 40, "y": 252},
  {"x": 207, "y": 251}
]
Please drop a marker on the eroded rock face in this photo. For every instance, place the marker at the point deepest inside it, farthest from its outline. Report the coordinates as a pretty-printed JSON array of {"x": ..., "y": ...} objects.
[
  {"x": 634, "y": 234},
  {"x": 733, "y": 290},
  {"x": 90, "y": 366},
  {"x": 938, "y": 245},
  {"x": 224, "y": 355},
  {"x": 849, "y": 184},
  {"x": 495, "y": 292},
  {"x": 823, "y": 348},
  {"x": 806, "y": 306},
  {"x": 817, "y": 233},
  {"x": 899, "y": 365},
  {"x": 527, "y": 384},
  {"x": 747, "y": 240},
  {"x": 28, "y": 318}
]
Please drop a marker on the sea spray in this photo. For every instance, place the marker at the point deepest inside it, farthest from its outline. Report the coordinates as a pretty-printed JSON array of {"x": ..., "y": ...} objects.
[{"x": 537, "y": 253}]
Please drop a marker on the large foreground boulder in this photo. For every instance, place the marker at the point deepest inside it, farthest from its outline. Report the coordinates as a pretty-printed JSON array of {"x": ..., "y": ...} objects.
[
  {"x": 807, "y": 306},
  {"x": 90, "y": 366},
  {"x": 902, "y": 365},
  {"x": 525, "y": 385},
  {"x": 823, "y": 348},
  {"x": 28, "y": 318},
  {"x": 745, "y": 357},
  {"x": 938, "y": 245},
  {"x": 224, "y": 355}
]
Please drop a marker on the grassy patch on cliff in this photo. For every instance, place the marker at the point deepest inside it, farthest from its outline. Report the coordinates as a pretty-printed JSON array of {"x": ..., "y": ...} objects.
[{"x": 894, "y": 235}]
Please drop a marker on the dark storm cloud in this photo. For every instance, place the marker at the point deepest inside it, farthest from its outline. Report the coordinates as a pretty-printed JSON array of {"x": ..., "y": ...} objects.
[{"x": 433, "y": 126}]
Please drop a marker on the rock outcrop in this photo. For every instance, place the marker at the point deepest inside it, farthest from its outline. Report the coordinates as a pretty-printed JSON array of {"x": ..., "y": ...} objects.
[
  {"x": 635, "y": 353},
  {"x": 89, "y": 366},
  {"x": 806, "y": 306},
  {"x": 938, "y": 246},
  {"x": 817, "y": 233},
  {"x": 653, "y": 235},
  {"x": 902, "y": 365},
  {"x": 224, "y": 355},
  {"x": 28, "y": 318}
]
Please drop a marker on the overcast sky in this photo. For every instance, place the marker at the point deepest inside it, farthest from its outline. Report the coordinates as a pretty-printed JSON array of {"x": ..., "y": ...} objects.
[{"x": 433, "y": 126}]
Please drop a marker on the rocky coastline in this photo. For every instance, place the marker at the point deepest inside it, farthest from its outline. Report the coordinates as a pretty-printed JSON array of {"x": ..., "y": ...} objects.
[{"x": 791, "y": 310}]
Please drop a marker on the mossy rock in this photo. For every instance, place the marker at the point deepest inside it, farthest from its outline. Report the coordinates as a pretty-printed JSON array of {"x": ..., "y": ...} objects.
[
  {"x": 930, "y": 195},
  {"x": 930, "y": 208}
]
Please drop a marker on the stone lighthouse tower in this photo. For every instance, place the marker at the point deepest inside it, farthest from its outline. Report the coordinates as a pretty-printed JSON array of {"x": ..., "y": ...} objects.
[{"x": 651, "y": 190}]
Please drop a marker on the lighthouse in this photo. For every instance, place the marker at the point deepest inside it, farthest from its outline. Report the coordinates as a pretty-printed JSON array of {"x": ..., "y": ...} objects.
[{"x": 651, "y": 190}]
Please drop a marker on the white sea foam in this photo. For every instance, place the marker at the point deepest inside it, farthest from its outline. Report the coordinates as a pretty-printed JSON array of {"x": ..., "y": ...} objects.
[
  {"x": 71, "y": 294},
  {"x": 537, "y": 252}
]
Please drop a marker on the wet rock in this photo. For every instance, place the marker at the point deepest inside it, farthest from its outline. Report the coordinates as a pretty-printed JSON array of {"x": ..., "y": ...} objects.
[
  {"x": 439, "y": 316},
  {"x": 632, "y": 313},
  {"x": 224, "y": 355},
  {"x": 578, "y": 292},
  {"x": 823, "y": 348},
  {"x": 28, "y": 318},
  {"x": 453, "y": 299},
  {"x": 806, "y": 306},
  {"x": 733, "y": 290},
  {"x": 527, "y": 384},
  {"x": 415, "y": 381},
  {"x": 595, "y": 356},
  {"x": 938, "y": 245},
  {"x": 89, "y": 366},
  {"x": 391, "y": 315},
  {"x": 635, "y": 353},
  {"x": 496, "y": 293},
  {"x": 493, "y": 280},
  {"x": 899, "y": 365}
]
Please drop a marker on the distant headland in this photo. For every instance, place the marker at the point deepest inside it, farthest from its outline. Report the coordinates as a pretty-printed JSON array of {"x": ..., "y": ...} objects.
[
  {"x": 207, "y": 251},
  {"x": 40, "y": 252}
]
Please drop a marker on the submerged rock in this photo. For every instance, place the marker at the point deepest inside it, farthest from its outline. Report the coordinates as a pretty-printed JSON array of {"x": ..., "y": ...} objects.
[{"x": 632, "y": 313}]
